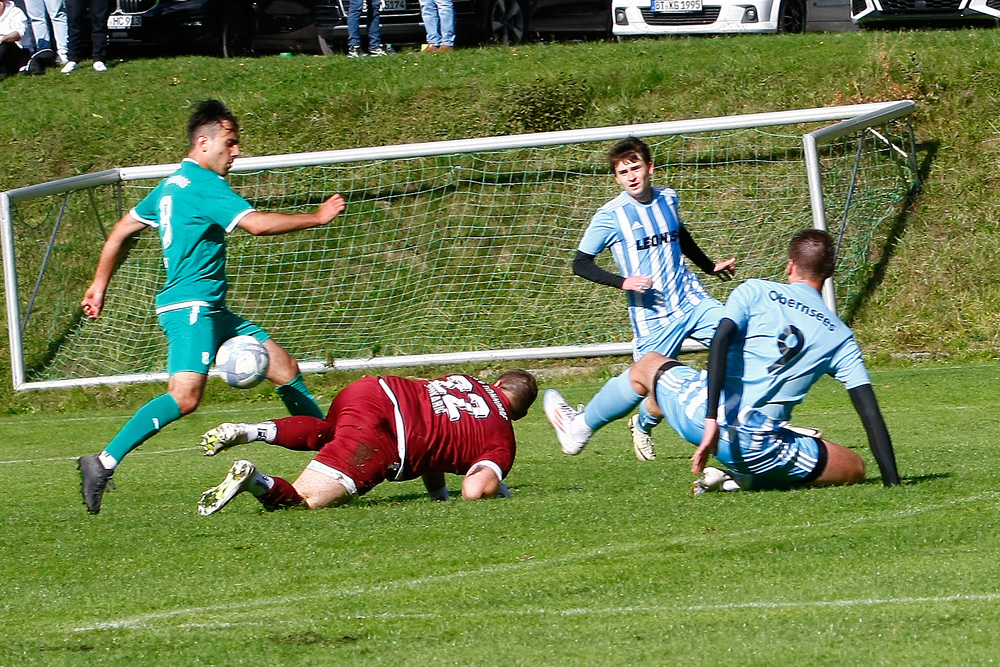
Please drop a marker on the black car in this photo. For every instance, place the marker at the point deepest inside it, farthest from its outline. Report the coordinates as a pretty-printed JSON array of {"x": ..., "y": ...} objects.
[
  {"x": 221, "y": 27},
  {"x": 476, "y": 21},
  {"x": 234, "y": 27}
]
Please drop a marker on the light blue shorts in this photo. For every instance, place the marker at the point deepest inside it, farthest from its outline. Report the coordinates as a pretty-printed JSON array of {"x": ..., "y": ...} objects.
[
  {"x": 699, "y": 324},
  {"x": 756, "y": 445},
  {"x": 194, "y": 334}
]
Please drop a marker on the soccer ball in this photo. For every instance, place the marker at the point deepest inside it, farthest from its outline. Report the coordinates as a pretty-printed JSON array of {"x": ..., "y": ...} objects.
[{"x": 243, "y": 361}]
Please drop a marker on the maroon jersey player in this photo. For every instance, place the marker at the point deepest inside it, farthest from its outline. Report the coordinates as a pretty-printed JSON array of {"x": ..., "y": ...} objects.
[{"x": 385, "y": 428}]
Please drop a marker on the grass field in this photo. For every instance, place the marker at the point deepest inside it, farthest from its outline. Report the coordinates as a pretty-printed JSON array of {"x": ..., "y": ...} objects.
[{"x": 593, "y": 558}]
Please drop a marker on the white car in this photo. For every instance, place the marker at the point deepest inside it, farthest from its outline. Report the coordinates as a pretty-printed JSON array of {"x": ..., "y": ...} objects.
[
  {"x": 871, "y": 12},
  {"x": 633, "y": 18}
]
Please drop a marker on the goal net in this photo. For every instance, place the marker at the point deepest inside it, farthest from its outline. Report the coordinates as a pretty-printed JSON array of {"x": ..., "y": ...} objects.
[{"x": 452, "y": 251}]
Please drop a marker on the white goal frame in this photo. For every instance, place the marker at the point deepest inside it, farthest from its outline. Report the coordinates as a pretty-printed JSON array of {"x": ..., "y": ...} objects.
[{"x": 846, "y": 119}]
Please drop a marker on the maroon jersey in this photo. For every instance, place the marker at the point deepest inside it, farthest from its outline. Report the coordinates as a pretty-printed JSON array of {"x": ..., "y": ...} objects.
[{"x": 450, "y": 423}]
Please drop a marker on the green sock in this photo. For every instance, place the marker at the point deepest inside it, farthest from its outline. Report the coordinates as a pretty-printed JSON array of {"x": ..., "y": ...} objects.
[
  {"x": 296, "y": 397},
  {"x": 144, "y": 424}
]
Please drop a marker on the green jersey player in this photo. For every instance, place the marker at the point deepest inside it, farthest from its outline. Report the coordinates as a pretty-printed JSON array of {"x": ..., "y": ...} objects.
[{"x": 192, "y": 211}]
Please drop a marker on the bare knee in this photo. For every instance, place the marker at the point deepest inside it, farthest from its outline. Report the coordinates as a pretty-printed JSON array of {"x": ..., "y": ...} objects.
[
  {"x": 843, "y": 466},
  {"x": 643, "y": 372}
]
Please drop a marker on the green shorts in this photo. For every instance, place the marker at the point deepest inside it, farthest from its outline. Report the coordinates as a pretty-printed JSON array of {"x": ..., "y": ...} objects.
[{"x": 194, "y": 334}]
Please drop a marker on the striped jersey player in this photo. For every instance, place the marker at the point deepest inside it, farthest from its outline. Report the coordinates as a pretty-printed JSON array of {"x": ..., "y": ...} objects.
[
  {"x": 774, "y": 342},
  {"x": 642, "y": 229}
]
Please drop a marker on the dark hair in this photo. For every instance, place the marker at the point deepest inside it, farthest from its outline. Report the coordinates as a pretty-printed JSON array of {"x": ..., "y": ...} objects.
[
  {"x": 632, "y": 149},
  {"x": 813, "y": 253},
  {"x": 209, "y": 112},
  {"x": 521, "y": 389}
]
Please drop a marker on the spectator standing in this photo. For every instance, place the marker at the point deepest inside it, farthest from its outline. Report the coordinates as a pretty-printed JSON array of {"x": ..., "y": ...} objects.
[
  {"x": 80, "y": 14},
  {"x": 41, "y": 13},
  {"x": 439, "y": 22},
  {"x": 373, "y": 17},
  {"x": 15, "y": 40}
]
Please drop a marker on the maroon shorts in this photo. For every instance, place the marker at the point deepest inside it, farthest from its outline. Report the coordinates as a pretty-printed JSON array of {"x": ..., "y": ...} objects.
[{"x": 364, "y": 440}]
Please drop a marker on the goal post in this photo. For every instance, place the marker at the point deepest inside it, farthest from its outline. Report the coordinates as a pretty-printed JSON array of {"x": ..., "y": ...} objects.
[{"x": 454, "y": 251}]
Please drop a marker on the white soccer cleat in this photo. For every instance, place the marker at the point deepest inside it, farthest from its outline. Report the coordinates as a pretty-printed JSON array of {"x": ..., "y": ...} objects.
[
  {"x": 561, "y": 416},
  {"x": 69, "y": 67},
  {"x": 222, "y": 437},
  {"x": 642, "y": 442},
  {"x": 714, "y": 479},
  {"x": 237, "y": 480}
]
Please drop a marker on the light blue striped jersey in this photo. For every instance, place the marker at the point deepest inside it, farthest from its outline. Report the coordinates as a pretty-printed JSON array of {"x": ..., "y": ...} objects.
[
  {"x": 789, "y": 339},
  {"x": 645, "y": 241}
]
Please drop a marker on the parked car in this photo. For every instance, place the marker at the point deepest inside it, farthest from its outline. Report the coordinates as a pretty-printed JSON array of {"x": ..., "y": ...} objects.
[
  {"x": 476, "y": 21},
  {"x": 677, "y": 17},
  {"x": 223, "y": 27},
  {"x": 879, "y": 12}
]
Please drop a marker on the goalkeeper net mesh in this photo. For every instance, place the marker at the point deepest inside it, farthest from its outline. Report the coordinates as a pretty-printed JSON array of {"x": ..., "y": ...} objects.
[{"x": 454, "y": 252}]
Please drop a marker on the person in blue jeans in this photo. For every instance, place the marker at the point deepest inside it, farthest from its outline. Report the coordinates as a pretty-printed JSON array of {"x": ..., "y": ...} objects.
[
  {"x": 354, "y": 10},
  {"x": 439, "y": 22}
]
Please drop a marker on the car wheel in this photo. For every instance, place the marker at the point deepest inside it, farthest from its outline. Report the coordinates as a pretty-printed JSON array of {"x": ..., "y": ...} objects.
[
  {"x": 792, "y": 16},
  {"x": 236, "y": 33},
  {"x": 505, "y": 22}
]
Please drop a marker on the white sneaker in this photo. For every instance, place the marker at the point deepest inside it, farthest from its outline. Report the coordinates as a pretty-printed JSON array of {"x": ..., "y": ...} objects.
[
  {"x": 99, "y": 66},
  {"x": 222, "y": 437},
  {"x": 69, "y": 67},
  {"x": 237, "y": 480},
  {"x": 714, "y": 479},
  {"x": 561, "y": 416},
  {"x": 642, "y": 442}
]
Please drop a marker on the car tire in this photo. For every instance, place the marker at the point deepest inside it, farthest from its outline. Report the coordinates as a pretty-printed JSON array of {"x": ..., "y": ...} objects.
[
  {"x": 236, "y": 30},
  {"x": 505, "y": 22},
  {"x": 792, "y": 16}
]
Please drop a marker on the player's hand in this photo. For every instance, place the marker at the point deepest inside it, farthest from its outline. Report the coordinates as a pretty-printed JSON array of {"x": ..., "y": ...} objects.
[
  {"x": 725, "y": 270},
  {"x": 331, "y": 208},
  {"x": 709, "y": 446},
  {"x": 637, "y": 283},
  {"x": 93, "y": 302}
]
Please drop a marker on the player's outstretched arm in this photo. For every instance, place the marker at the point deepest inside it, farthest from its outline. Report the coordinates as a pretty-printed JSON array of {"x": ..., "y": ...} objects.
[
  {"x": 268, "y": 224},
  {"x": 866, "y": 404},
  {"x": 724, "y": 270},
  {"x": 116, "y": 249}
]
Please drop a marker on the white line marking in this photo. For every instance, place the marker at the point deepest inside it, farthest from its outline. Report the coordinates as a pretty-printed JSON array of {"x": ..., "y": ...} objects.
[{"x": 143, "y": 620}]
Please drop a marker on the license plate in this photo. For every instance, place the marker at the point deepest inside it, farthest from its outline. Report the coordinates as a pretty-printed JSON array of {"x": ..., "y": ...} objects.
[
  {"x": 393, "y": 5},
  {"x": 121, "y": 21},
  {"x": 671, "y": 6}
]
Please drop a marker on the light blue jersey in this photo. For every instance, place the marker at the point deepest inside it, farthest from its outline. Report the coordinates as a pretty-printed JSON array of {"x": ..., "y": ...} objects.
[
  {"x": 788, "y": 340},
  {"x": 644, "y": 239}
]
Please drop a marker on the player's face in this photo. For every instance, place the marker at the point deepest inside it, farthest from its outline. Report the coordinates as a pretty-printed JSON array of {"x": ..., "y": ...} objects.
[
  {"x": 634, "y": 177},
  {"x": 217, "y": 151}
]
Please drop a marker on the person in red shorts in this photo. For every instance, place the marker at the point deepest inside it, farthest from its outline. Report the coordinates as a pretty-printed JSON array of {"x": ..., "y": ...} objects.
[{"x": 385, "y": 428}]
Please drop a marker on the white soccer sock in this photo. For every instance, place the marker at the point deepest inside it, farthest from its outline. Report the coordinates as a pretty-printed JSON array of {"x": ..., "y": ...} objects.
[
  {"x": 107, "y": 461},
  {"x": 265, "y": 431},
  {"x": 579, "y": 429}
]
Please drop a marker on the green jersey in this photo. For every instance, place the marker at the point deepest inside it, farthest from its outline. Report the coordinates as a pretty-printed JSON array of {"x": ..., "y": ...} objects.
[{"x": 192, "y": 210}]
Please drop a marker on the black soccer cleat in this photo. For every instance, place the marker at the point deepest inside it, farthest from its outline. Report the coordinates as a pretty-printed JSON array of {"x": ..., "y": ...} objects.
[{"x": 94, "y": 480}]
